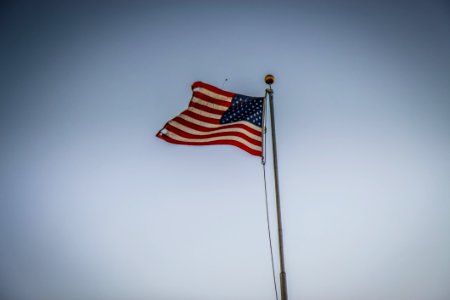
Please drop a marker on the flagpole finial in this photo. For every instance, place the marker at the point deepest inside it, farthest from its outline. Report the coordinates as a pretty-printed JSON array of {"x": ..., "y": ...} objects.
[{"x": 269, "y": 79}]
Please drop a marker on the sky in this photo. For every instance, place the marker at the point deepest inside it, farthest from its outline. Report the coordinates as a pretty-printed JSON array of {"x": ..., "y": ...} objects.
[{"x": 94, "y": 206}]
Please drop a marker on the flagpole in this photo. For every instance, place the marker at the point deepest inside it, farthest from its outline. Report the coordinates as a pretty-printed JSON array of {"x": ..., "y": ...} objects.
[{"x": 269, "y": 79}]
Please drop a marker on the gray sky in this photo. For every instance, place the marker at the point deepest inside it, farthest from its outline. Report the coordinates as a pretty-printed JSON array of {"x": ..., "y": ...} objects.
[{"x": 93, "y": 206}]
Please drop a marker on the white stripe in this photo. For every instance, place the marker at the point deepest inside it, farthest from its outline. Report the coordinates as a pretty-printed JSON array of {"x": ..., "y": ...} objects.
[
  {"x": 209, "y": 125},
  {"x": 209, "y": 104},
  {"x": 196, "y": 132},
  {"x": 213, "y": 95},
  {"x": 221, "y": 138},
  {"x": 204, "y": 113}
]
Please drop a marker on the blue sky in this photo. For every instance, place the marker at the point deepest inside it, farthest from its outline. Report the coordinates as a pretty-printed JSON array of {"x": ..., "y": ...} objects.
[{"x": 95, "y": 207}]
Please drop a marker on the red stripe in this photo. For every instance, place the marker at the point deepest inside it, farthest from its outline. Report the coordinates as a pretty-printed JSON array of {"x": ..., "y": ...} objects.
[
  {"x": 212, "y": 100},
  {"x": 222, "y": 142},
  {"x": 199, "y": 84},
  {"x": 207, "y": 129},
  {"x": 212, "y": 135},
  {"x": 201, "y": 118},
  {"x": 206, "y": 108}
]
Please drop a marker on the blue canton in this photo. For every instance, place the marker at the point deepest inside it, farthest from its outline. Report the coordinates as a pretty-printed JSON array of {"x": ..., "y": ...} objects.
[{"x": 244, "y": 108}]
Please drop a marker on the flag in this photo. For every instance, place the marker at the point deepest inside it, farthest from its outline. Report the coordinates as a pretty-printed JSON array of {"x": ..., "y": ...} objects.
[{"x": 214, "y": 117}]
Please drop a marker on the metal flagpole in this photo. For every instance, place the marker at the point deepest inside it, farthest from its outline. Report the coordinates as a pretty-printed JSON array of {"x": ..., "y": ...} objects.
[{"x": 269, "y": 79}]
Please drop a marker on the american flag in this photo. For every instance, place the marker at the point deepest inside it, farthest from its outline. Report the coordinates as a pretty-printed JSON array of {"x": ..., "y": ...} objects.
[{"x": 217, "y": 117}]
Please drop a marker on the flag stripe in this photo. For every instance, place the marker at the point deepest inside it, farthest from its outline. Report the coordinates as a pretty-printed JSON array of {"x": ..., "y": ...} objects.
[
  {"x": 210, "y": 104},
  {"x": 213, "y": 140},
  {"x": 213, "y": 91},
  {"x": 200, "y": 117},
  {"x": 223, "y": 135},
  {"x": 213, "y": 94},
  {"x": 210, "y": 139},
  {"x": 218, "y": 132},
  {"x": 206, "y": 109},
  {"x": 204, "y": 113},
  {"x": 202, "y": 126},
  {"x": 211, "y": 99},
  {"x": 222, "y": 142}
]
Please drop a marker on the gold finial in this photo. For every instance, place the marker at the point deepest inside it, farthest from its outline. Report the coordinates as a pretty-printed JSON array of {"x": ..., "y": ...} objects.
[{"x": 269, "y": 79}]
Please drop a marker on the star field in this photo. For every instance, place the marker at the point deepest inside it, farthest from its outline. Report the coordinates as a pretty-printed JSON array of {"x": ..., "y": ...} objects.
[{"x": 244, "y": 108}]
